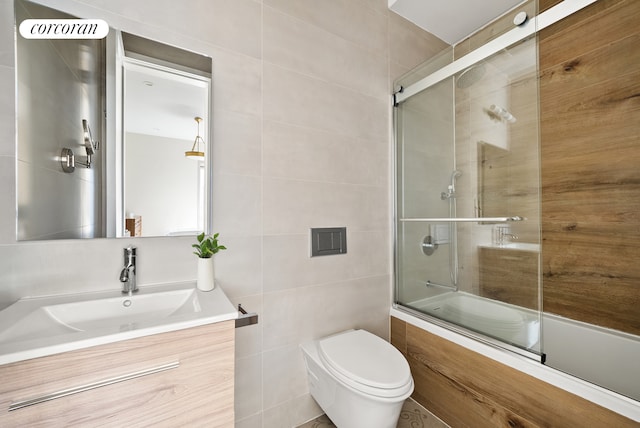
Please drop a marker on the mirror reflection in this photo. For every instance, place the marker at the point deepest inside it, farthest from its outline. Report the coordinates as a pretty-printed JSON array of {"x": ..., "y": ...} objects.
[{"x": 103, "y": 130}]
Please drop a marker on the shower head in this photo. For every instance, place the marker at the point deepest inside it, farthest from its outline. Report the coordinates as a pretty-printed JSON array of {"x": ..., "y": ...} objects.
[{"x": 471, "y": 75}]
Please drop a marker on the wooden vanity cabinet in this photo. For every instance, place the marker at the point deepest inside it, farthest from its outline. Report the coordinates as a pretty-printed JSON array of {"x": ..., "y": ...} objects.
[{"x": 198, "y": 392}]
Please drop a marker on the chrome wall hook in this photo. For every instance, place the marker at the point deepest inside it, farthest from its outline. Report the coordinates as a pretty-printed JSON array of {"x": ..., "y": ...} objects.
[{"x": 90, "y": 145}]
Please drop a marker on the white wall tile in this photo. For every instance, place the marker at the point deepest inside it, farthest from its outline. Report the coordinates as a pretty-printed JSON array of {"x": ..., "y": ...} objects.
[
  {"x": 292, "y": 207},
  {"x": 237, "y": 83},
  {"x": 408, "y": 44},
  {"x": 252, "y": 421},
  {"x": 301, "y": 100},
  {"x": 296, "y": 315},
  {"x": 287, "y": 263},
  {"x": 284, "y": 375},
  {"x": 239, "y": 267},
  {"x": 236, "y": 204},
  {"x": 287, "y": 43},
  {"x": 309, "y": 154},
  {"x": 362, "y": 22},
  {"x": 237, "y": 143},
  {"x": 248, "y": 386},
  {"x": 291, "y": 413}
]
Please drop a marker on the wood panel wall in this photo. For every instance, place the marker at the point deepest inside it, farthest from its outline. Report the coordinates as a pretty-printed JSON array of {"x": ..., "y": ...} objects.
[
  {"x": 590, "y": 147},
  {"x": 590, "y": 165},
  {"x": 466, "y": 389}
]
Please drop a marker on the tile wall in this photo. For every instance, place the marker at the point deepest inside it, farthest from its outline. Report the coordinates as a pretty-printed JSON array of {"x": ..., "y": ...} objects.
[{"x": 301, "y": 135}]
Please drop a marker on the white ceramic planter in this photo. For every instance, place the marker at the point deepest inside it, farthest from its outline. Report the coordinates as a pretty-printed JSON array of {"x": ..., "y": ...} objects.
[{"x": 206, "y": 274}]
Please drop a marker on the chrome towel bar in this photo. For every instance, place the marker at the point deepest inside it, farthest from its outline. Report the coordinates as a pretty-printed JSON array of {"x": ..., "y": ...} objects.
[
  {"x": 430, "y": 283},
  {"x": 463, "y": 220},
  {"x": 245, "y": 318}
]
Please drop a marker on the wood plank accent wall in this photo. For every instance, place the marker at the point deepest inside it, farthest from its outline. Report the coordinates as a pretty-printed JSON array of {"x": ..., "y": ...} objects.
[
  {"x": 466, "y": 389},
  {"x": 590, "y": 147}
]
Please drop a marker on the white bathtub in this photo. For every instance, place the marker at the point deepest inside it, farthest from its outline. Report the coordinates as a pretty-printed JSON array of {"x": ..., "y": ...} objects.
[
  {"x": 574, "y": 351},
  {"x": 508, "y": 323},
  {"x": 606, "y": 357}
]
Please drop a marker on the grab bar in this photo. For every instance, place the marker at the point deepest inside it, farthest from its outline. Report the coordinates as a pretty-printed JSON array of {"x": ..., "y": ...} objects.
[
  {"x": 467, "y": 220},
  {"x": 430, "y": 283}
]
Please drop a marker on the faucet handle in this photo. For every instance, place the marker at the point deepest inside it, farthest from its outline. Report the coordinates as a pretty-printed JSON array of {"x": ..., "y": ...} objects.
[{"x": 129, "y": 255}]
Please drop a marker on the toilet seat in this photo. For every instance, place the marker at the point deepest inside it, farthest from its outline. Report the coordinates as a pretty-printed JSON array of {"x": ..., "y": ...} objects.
[{"x": 366, "y": 363}]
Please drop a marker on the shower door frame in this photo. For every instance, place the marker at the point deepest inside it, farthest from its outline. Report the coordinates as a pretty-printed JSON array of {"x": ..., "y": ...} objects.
[
  {"x": 513, "y": 36},
  {"x": 510, "y": 38}
]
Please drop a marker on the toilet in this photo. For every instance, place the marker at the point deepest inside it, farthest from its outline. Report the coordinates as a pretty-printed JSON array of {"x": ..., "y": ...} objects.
[{"x": 358, "y": 379}]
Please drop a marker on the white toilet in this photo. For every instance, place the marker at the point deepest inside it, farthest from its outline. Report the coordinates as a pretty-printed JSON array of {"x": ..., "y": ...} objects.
[{"x": 358, "y": 379}]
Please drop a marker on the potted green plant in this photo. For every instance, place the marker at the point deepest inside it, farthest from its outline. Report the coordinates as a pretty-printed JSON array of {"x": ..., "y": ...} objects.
[{"x": 206, "y": 248}]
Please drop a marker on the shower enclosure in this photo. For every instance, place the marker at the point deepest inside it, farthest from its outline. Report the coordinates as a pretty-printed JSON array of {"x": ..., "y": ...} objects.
[
  {"x": 467, "y": 195},
  {"x": 468, "y": 216}
]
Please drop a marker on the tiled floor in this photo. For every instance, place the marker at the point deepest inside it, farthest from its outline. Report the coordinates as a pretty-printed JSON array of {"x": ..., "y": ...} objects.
[{"x": 413, "y": 415}]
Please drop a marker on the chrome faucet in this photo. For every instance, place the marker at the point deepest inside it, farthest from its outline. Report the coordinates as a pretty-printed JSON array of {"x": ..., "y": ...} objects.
[{"x": 128, "y": 273}]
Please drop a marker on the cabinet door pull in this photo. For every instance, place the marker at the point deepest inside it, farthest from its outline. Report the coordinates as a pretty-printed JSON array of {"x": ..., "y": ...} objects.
[{"x": 105, "y": 382}]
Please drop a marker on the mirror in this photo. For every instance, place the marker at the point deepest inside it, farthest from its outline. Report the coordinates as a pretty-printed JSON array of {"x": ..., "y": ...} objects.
[
  {"x": 103, "y": 127},
  {"x": 493, "y": 175}
]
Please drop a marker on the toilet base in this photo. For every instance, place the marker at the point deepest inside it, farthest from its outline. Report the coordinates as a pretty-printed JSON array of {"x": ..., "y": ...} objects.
[{"x": 362, "y": 414}]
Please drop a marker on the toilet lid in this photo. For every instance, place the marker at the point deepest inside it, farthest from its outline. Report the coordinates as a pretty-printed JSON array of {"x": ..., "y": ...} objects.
[{"x": 365, "y": 358}]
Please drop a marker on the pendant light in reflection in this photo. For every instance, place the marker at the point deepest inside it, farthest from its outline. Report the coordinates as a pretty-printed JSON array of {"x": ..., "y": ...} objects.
[{"x": 196, "y": 151}]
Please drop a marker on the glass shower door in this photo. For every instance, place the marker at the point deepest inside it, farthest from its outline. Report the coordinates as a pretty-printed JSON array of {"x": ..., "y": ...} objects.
[{"x": 467, "y": 198}]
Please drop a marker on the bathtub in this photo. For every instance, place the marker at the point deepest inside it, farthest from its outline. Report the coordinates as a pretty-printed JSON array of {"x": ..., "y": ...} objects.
[
  {"x": 572, "y": 351},
  {"x": 608, "y": 358},
  {"x": 507, "y": 323}
]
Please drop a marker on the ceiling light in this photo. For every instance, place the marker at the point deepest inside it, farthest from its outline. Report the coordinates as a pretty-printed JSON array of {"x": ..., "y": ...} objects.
[{"x": 196, "y": 152}]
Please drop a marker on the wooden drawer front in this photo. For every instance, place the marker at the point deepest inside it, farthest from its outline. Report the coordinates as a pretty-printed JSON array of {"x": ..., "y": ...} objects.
[{"x": 199, "y": 391}]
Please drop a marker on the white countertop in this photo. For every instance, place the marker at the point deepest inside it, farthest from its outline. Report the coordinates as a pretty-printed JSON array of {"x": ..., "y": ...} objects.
[{"x": 27, "y": 332}]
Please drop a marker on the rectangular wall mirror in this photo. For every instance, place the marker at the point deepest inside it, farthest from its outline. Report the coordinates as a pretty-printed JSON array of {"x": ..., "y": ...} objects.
[{"x": 113, "y": 136}]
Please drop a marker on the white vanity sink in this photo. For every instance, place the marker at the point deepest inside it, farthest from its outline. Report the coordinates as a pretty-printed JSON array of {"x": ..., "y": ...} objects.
[
  {"x": 34, "y": 327},
  {"x": 124, "y": 310}
]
